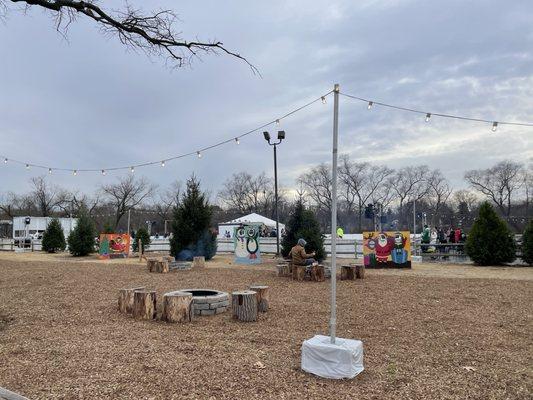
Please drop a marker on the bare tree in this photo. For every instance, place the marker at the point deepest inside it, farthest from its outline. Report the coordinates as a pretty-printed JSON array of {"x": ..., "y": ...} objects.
[
  {"x": 498, "y": 183},
  {"x": 317, "y": 183},
  {"x": 153, "y": 33},
  {"x": 439, "y": 191},
  {"x": 47, "y": 198},
  {"x": 410, "y": 184},
  {"x": 12, "y": 204},
  {"x": 246, "y": 193},
  {"x": 362, "y": 182},
  {"x": 75, "y": 202},
  {"x": 126, "y": 194},
  {"x": 167, "y": 200}
]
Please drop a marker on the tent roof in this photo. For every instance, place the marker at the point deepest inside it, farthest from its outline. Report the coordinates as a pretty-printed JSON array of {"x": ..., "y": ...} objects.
[{"x": 253, "y": 217}]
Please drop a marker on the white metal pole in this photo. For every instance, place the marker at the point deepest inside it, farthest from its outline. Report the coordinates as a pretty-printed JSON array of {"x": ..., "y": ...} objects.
[
  {"x": 129, "y": 214},
  {"x": 333, "y": 319},
  {"x": 414, "y": 225}
]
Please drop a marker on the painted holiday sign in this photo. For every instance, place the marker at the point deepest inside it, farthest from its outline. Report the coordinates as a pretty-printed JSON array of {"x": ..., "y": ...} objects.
[
  {"x": 391, "y": 249},
  {"x": 246, "y": 242},
  {"x": 114, "y": 245}
]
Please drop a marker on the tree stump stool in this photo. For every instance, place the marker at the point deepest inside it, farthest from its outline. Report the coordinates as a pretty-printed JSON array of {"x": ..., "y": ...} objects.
[
  {"x": 177, "y": 307},
  {"x": 360, "y": 272},
  {"x": 317, "y": 273},
  {"x": 198, "y": 262},
  {"x": 144, "y": 304},
  {"x": 263, "y": 297},
  {"x": 162, "y": 267},
  {"x": 150, "y": 264},
  {"x": 125, "y": 300},
  {"x": 348, "y": 273},
  {"x": 168, "y": 258},
  {"x": 244, "y": 305},
  {"x": 298, "y": 272},
  {"x": 281, "y": 269}
]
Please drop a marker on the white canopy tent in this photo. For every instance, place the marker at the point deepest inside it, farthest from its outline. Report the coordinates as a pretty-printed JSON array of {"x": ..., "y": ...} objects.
[{"x": 250, "y": 218}]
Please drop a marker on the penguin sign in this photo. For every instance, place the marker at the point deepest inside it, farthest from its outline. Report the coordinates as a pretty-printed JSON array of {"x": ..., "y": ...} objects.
[{"x": 246, "y": 242}]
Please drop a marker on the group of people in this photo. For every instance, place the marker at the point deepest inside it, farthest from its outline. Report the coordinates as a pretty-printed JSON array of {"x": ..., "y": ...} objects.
[{"x": 441, "y": 236}]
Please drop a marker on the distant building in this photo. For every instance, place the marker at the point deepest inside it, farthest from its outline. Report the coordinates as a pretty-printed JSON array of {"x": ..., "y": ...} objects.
[{"x": 33, "y": 227}]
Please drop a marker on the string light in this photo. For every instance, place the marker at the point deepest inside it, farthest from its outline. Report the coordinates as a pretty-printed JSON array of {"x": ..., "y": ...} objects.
[
  {"x": 494, "y": 126},
  {"x": 428, "y": 116},
  {"x": 323, "y": 98},
  {"x": 179, "y": 156},
  {"x": 5, "y": 160},
  {"x": 74, "y": 172},
  {"x": 370, "y": 104},
  {"x": 50, "y": 171},
  {"x": 132, "y": 169}
]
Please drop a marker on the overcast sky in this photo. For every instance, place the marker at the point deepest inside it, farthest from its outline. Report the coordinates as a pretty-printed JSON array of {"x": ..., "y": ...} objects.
[{"x": 90, "y": 103}]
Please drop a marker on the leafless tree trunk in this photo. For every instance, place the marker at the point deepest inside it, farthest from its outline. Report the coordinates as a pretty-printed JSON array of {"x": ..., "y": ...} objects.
[
  {"x": 498, "y": 183},
  {"x": 153, "y": 34},
  {"x": 47, "y": 198},
  {"x": 317, "y": 183},
  {"x": 126, "y": 194},
  {"x": 410, "y": 184},
  {"x": 248, "y": 194},
  {"x": 438, "y": 193}
]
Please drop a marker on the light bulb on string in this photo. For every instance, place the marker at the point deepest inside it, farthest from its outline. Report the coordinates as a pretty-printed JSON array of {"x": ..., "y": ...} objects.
[
  {"x": 323, "y": 98},
  {"x": 132, "y": 169},
  {"x": 277, "y": 122},
  {"x": 199, "y": 154},
  {"x": 163, "y": 163},
  {"x": 370, "y": 104},
  {"x": 50, "y": 171},
  {"x": 237, "y": 140},
  {"x": 494, "y": 126},
  {"x": 103, "y": 172},
  {"x": 428, "y": 116},
  {"x": 27, "y": 166},
  {"x": 74, "y": 172},
  {"x": 5, "y": 160}
]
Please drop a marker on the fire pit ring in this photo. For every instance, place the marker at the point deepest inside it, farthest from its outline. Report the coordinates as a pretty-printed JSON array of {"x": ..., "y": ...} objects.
[{"x": 208, "y": 301}]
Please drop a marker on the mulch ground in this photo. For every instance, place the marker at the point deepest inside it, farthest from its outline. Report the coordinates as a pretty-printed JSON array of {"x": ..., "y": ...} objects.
[{"x": 61, "y": 336}]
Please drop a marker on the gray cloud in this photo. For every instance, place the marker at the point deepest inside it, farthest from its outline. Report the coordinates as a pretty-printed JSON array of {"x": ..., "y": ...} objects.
[{"x": 88, "y": 102}]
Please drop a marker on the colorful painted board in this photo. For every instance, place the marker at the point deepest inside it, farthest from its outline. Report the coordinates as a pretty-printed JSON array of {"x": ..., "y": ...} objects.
[
  {"x": 387, "y": 249},
  {"x": 114, "y": 245},
  {"x": 246, "y": 242}
]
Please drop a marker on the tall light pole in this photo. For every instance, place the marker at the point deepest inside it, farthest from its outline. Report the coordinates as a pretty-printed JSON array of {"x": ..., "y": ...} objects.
[{"x": 281, "y": 136}]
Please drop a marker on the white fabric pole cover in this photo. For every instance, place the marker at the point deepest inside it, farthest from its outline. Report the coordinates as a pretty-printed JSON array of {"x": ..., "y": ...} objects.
[{"x": 344, "y": 359}]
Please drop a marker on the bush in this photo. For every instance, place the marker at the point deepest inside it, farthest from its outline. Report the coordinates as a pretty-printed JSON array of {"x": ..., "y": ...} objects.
[
  {"x": 190, "y": 226},
  {"x": 527, "y": 244},
  {"x": 490, "y": 242},
  {"x": 144, "y": 236},
  {"x": 53, "y": 237},
  {"x": 81, "y": 239},
  {"x": 303, "y": 224}
]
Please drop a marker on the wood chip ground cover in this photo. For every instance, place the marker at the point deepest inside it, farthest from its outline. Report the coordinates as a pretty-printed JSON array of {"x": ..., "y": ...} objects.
[{"x": 425, "y": 337}]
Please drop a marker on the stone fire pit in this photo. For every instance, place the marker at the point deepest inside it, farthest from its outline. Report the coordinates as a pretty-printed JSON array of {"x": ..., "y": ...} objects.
[{"x": 208, "y": 301}]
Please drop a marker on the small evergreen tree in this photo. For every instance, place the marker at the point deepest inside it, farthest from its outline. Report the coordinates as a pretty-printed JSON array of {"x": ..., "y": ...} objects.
[
  {"x": 303, "y": 224},
  {"x": 53, "y": 237},
  {"x": 81, "y": 239},
  {"x": 527, "y": 244},
  {"x": 490, "y": 242},
  {"x": 142, "y": 235},
  {"x": 190, "y": 226}
]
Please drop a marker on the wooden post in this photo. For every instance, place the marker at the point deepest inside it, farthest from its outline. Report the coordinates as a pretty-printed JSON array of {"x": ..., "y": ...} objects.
[
  {"x": 263, "y": 297},
  {"x": 177, "y": 307},
  {"x": 139, "y": 247},
  {"x": 347, "y": 273},
  {"x": 244, "y": 305},
  {"x": 360, "y": 272},
  {"x": 317, "y": 273},
  {"x": 125, "y": 300},
  {"x": 198, "y": 262},
  {"x": 298, "y": 272},
  {"x": 144, "y": 304}
]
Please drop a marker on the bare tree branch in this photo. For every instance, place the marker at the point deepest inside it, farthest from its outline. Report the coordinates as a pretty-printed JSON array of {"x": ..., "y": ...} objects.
[{"x": 153, "y": 34}]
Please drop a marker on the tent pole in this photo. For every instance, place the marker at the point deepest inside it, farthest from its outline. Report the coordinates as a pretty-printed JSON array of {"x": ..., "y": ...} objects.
[{"x": 333, "y": 319}]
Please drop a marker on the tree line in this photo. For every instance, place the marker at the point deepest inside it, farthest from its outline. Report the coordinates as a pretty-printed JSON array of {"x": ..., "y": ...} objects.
[{"x": 507, "y": 185}]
